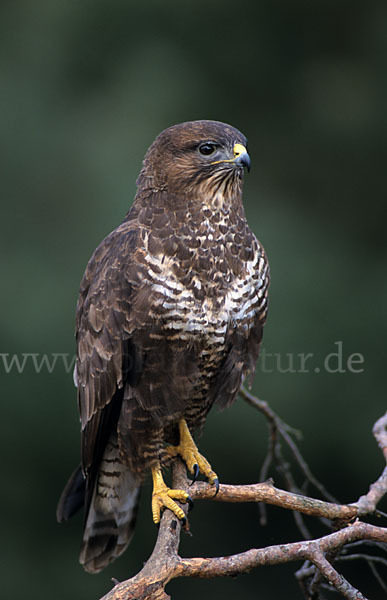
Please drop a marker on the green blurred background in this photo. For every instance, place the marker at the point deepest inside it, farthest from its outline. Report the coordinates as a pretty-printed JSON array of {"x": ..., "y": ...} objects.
[{"x": 85, "y": 86}]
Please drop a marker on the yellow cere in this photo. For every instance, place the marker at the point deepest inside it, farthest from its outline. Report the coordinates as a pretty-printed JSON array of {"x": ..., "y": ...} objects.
[{"x": 238, "y": 150}]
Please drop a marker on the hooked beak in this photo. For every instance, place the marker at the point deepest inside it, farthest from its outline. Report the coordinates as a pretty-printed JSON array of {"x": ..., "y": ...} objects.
[{"x": 241, "y": 156}]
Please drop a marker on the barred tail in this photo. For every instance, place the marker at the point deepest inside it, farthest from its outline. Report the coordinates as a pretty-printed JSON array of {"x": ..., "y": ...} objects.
[{"x": 112, "y": 514}]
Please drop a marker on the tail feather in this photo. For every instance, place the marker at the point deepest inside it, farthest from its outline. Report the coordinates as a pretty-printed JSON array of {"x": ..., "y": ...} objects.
[
  {"x": 73, "y": 496},
  {"x": 112, "y": 514}
]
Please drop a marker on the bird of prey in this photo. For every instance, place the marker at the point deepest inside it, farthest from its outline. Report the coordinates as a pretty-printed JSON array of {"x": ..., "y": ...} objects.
[{"x": 169, "y": 322}]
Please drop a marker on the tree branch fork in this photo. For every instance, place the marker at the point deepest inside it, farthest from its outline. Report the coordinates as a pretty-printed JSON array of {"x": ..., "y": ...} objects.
[{"x": 165, "y": 563}]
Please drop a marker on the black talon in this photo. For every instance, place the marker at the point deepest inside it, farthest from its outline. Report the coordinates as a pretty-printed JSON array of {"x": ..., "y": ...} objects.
[
  {"x": 183, "y": 521},
  {"x": 190, "y": 503},
  {"x": 196, "y": 472},
  {"x": 216, "y": 484}
]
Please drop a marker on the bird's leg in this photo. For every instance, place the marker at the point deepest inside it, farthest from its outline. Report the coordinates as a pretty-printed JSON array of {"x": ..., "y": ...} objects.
[
  {"x": 163, "y": 496},
  {"x": 187, "y": 449}
]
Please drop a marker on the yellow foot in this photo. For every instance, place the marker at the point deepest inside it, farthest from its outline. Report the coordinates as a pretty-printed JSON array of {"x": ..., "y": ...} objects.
[
  {"x": 163, "y": 497},
  {"x": 196, "y": 463}
]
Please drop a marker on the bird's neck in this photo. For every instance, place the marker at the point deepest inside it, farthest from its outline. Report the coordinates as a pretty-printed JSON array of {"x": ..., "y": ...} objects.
[{"x": 152, "y": 205}]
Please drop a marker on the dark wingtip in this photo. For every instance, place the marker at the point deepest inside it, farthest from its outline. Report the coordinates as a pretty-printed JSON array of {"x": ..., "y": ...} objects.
[{"x": 73, "y": 496}]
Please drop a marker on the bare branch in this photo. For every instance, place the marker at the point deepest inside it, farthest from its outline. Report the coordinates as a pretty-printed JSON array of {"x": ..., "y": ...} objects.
[
  {"x": 275, "y": 555},
  {"x": 335, "y": 579},
  {"x": 155, "y": 575},
  {"x": 266, "y": 492},
  {"x": 380, "y": 434},
  {"x": 367, "y": 503},
  {"x": 166, "y": 564}
]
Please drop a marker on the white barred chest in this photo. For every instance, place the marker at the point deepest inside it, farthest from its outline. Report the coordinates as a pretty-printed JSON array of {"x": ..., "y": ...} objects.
[{"x": 185, "y": 315}]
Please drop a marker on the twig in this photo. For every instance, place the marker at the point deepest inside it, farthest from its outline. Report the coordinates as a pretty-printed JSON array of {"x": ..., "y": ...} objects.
[
  {"x": 264, "y": 472},
  {"x": 370, "y": 560},
  {"x": 283, "y": 430},
  {"x": 379, "y": 545},
  {"x": 367, "y": 557},
  {"x": 375, "y": 573}
]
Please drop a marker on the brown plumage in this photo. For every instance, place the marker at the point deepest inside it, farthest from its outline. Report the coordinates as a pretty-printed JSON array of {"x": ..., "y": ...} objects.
[{"x": 169, "y": 320}]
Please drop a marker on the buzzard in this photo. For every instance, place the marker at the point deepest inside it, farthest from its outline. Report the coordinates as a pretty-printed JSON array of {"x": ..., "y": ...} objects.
[{"x": 169, "y": 321}]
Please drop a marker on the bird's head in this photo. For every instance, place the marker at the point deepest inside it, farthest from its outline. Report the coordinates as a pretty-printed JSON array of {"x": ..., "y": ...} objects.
[{"x": 197, "y": 157}]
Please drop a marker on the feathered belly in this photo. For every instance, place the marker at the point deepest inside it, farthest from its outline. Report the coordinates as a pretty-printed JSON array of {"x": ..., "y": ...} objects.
[
  {"x": 196, "y": 314},
  {"x": 202, "y": 329}
]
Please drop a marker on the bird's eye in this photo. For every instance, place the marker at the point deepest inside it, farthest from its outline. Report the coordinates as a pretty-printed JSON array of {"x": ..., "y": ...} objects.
[{"x": 207, "y": 148}]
